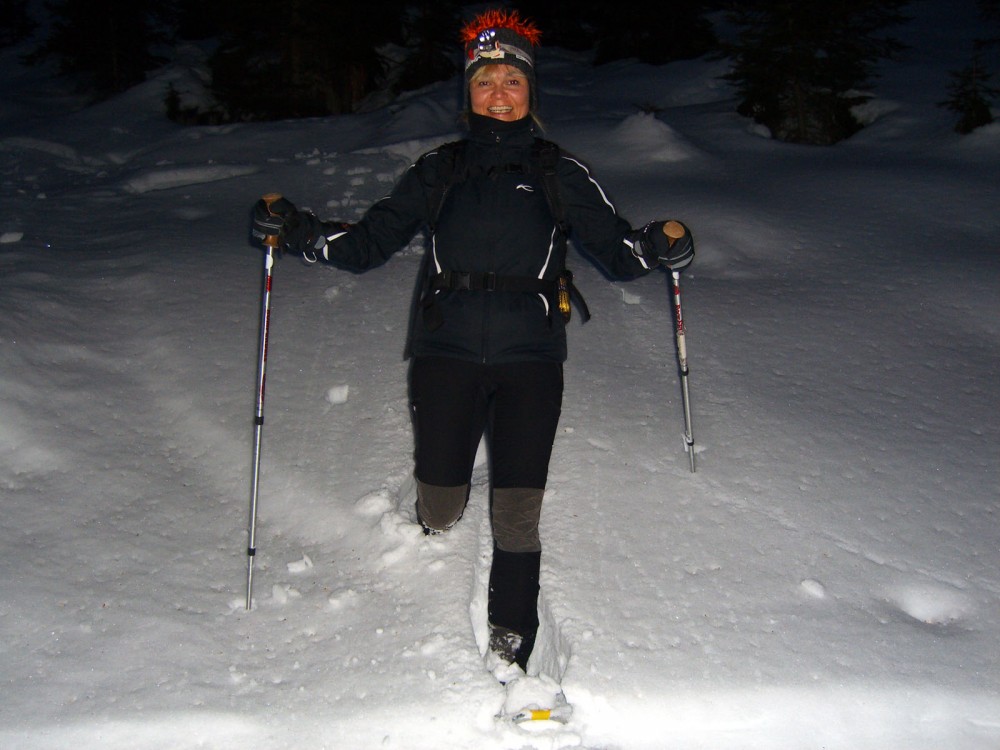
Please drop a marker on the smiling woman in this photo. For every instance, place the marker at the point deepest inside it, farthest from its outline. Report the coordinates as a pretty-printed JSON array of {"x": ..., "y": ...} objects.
[
  {"x": 501, "y": 92},
  {"x": 488, "y": 336}
]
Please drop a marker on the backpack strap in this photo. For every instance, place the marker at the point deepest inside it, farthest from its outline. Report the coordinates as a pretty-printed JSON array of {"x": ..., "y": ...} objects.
[
  {"x": 451, "y": 170},
  {"x": 546, "y": 155}
]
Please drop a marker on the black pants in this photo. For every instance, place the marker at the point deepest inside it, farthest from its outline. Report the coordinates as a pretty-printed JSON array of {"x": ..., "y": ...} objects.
[{"x": 517, "y": 406}]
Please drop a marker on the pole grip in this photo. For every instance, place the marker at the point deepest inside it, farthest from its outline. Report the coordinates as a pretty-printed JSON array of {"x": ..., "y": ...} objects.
[
  {"x": 674, "y": 231},
  {"x": 271, "y": 240}
]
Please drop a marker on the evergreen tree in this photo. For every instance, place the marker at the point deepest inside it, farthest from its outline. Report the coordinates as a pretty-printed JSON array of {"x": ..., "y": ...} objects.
[
  {"x": 990, "y": 12},
  {"x": 797, "y": 64},
  {"x": 430, "y": 33},
  {"x": 989, "y": 39},
  {"x": 15, "y": 23},
  {"x": 970, "y": 97},
  {"x": 569, "y": 24},
  {"x": 970, "y": 92},
  {"x": 196, "y": 19},
  {"x": 677, "y": 30},
  {"x": 670, "y": 30},
  {"x": 303, "y": 58},
  {"x": 107, "y": 42}
]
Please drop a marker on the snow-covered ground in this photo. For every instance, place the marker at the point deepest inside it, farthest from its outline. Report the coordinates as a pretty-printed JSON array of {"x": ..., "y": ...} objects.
[{"x": 827, "y": 579}]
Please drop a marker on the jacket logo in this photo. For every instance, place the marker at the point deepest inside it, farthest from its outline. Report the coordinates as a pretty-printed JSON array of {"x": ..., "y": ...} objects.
[{"x": 526, "y": 188}]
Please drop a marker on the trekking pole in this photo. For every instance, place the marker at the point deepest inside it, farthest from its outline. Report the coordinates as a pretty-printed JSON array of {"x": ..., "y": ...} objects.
[
  {"x": 674, "y": 231},
  {"x": 271, "y": 244}
]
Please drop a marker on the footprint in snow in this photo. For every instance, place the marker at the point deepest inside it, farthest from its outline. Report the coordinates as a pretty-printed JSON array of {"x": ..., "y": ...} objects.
[
  {"x": 400, "y": 535},
  {"x": 374, "y": 504}
]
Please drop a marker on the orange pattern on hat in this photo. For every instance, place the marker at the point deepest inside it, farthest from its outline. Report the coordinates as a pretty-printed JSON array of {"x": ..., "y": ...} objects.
[{"x": 501, "y": 19}]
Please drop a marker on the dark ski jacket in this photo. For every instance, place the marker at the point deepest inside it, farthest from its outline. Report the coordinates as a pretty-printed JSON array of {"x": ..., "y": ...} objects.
[{"x": 497, "y": 219}]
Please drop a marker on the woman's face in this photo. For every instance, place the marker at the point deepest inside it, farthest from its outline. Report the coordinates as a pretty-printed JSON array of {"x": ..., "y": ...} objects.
[{"x": 500, "y": 91}]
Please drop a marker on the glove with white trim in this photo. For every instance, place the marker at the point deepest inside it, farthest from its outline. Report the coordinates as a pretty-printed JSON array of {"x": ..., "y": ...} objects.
[
  {"x": 299, "y": 232},
  {"x": 664, "y": 242}
]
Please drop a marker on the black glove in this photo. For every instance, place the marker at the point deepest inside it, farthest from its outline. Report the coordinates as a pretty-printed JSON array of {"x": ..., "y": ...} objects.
[
  {"x": 653, "y": 247},
  {"x": 269, "y": 217},
  {"x": 298, "y": 231}
]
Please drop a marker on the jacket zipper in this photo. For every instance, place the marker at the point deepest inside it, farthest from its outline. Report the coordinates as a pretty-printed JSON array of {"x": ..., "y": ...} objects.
[{"x": 487, "y": 299}]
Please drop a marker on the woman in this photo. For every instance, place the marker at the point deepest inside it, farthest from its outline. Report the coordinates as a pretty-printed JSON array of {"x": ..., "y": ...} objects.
[{"x": 489, "y": 338}]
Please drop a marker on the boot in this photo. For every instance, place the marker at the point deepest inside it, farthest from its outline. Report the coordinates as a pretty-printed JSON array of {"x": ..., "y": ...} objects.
[
  {"x": 504, "y": 642},
  {"x": 513, "y": 604}
]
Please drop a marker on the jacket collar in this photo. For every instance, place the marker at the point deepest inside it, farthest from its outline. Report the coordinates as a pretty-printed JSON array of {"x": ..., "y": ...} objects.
[{"x": 490, "y": 130}]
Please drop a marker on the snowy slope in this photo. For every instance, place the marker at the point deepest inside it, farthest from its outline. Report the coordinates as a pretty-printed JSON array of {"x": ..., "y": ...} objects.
[{"x": 827, "y": 579}]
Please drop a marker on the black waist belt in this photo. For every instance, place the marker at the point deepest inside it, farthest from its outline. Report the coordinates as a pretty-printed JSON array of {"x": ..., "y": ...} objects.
[{"x": 490, "y": 281}]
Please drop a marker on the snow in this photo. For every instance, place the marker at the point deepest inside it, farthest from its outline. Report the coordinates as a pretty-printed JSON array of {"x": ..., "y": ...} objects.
[{"x": 828, "y": 578}]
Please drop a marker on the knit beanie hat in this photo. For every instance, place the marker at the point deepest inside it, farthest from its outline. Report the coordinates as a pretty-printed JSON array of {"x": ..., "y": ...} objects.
[{"x": 501, "y": 37}]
